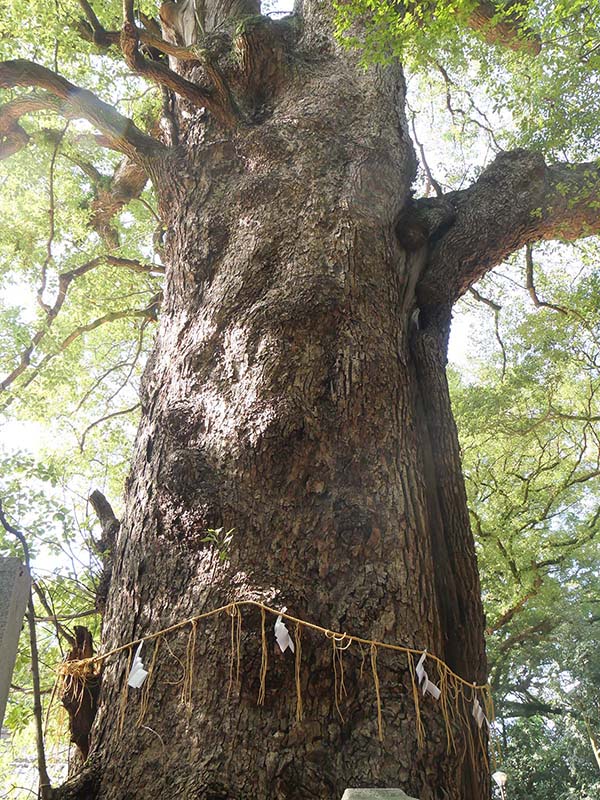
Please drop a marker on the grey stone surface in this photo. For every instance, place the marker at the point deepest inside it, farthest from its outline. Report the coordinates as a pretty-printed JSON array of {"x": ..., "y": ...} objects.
[
  {"x": 376, "y": 794},
  {"x": 14, "y": 591}
]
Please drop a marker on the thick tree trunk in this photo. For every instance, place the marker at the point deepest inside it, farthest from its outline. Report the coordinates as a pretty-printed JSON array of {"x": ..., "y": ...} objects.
[{"x": 294, "y": 396}]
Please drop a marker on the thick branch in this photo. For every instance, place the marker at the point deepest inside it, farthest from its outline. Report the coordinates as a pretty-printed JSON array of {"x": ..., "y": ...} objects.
[
  {"x": 201, "y": 96},
  {"x": 506, "y": 28},
  {"x": 12, "y": 136},
  {"x": 531, "y": 634},
  {"x": 91, "y": 15},
  {"x": 518, "y": 199},
  {"x": 105, "y": 38},
  {"x": 127, "y": 184},
  {"x": 505, "y": 618},
  {"x": 511, "y": 708},
  {"x": 120, "y": 131},
  {"x": 106, "y": 517},
  {"x": 111, "y": 195}
]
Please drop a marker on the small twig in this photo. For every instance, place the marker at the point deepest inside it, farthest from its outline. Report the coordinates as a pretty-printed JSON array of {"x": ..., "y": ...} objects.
[
  {"x": 432, "y": 181},
  {"x": 149, "y": 312},
  {"x": 132, "y": 365},
  {"x": 88, "y": 392},
  {"x": 496, "y": 309},
  {"x": 68, "y": 617},
  {"x": 531, "y": 285},
  {"x": 458, "y": 110},
  {"x": 23, "y": 690},
  {"x": 60, "y": 629},
  {"x": 90, "y": 427}
]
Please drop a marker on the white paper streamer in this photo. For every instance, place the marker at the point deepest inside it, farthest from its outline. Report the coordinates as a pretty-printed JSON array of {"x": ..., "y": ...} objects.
[
  {"x": 430, "y": 687},
  {"x": 137, "y": 674},
  {"x": 500, "y": 779},
  {"x": 424, "y": 682},
  {"x": 477, "y": 712},
  {"x": 284, "y": 640}
]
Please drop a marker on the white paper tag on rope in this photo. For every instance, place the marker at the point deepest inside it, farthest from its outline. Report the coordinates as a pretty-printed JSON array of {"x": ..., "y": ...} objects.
[
  {"x": 137, "y": 674},
  {"x": 477, "y": 712},
  {"x": 430, "y": 687},
  {"x": 423, "y": 678},
  {"x": 284, "y": 640}
]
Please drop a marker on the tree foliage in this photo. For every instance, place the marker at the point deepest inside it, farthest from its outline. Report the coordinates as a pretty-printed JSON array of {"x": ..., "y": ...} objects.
[{"x": 528, "y": 419}]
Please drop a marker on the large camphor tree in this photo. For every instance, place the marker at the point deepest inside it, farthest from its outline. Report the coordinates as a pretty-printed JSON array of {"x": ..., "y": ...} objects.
[{"x": 296, "y": 392}]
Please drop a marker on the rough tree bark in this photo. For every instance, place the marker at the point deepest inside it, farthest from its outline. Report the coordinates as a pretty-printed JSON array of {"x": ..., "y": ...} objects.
[
  {"x": 297, "y": 394},
  {"x": 292, "y": 396}
]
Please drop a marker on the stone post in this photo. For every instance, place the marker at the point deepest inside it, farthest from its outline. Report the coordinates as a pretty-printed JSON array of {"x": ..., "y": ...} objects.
[{"x": 14, "y": 593}]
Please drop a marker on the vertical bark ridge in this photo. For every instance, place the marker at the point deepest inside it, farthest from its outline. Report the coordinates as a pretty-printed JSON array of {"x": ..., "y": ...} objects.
[{"x": 455, "y": 562}]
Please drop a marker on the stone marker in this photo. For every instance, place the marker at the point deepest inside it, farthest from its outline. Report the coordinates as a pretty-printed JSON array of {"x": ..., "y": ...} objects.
[
  {"x": 376, "y": 794},
  {"x": 14, "y": 592}
]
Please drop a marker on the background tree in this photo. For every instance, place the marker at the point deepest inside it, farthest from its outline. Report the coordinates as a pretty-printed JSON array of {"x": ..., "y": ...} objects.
[
  {"x": 288, "y": 333},
  {"x": 532, "y": 470}
]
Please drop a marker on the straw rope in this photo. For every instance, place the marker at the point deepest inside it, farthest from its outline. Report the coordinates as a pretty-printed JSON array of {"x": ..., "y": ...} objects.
[
  {"x": 457, "y": 695},
  {"x": 75, "y": 667}
]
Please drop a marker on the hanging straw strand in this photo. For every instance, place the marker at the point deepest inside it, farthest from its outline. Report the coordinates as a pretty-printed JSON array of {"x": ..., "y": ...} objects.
[
  {"x": 264, "y": 660},
  {"x": 125, "y": 691},
  {"x": 188, "y": 676},
  {"x": 415, "y": 691},
  {"x": 297, "y": 675},
  {"x": 231, "y": 612},
  {"x": 377, "y": 691},
  {"x": 148, "y": 683}
]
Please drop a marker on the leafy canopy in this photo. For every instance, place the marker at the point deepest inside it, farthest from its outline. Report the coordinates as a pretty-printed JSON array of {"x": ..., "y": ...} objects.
[{"x": 546, "y": 100}]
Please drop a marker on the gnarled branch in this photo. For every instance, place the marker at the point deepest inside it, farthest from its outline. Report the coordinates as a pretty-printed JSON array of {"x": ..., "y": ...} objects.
[
  {"x": 215, "y": 101},
  {"x": 518, "y": 199},
  {"x": 127, "y": 184},
  {"x": 13, "y": 137},
  {"x": 121, "y": 133},
  {"x": 106, "y": 39},
  {"x": 505, "y": 27}
]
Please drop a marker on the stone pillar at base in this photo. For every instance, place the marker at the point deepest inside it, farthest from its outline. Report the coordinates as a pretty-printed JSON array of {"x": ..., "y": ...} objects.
[
  {"x": 14, "y": 593},
  {"x": 376, "y": 794}
]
